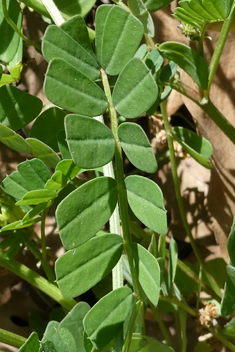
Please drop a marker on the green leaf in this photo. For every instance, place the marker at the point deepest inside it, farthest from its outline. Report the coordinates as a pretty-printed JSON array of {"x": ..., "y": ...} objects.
[
  {"x": 165, "y": 94},
  {"x": 31, "y": 175},
  {"x": 68, "y": 168},
  {"x": 114, "y": 44},
  {"x": 168, "y": 72},
  {"x": 10, "y": 39},
  {"x": 135, "y": 90},
  {"x": 141, "y": 343},
  {"x": 228, "y": 300},
  {"x": 173, "y": 251},
  {"x": 148, "y": 272},
  {"x": 91, "y": 143},
  {"x": 17, "y": 108},
  {"x": 146, "y": 201},
  {"x": 202, "y": 347},
  {"x": 198, "y": 147},
  {"x": 43, "y": 152},
  {"x": 81, "y": 268},
  {"x": 69, "y": 88},
  {"x": 53, "y": 119},
  {"x": 137, "y": 147},
  {"x": 231, "y": 244},
  {"x": 63, "y": 146},
  {"x": 35, "y": 197},
  {"x": 104, "y": 320},
  {"x": 192, "y": 63},
  {"x": 153, "y": 5},
  {"x": 154, "y": 60},
  {"x": 67, "y": 336},
  {"x": 31, "y": 344},
  {"x": 229, "y": 329},
  {"x": 141, "y": 52},
  {"x": 231, "y": 273},
  {"x": 57, "y": 181},
  {"x": 73, "y": 7},
  {"x": 1, "y": 70},
  {"x": 140, "y": 11},
  {"x": 13, "y": 140},
  {"x": 94, "y": 200},
  {"x": 58, "y": 44},
  {"x": 34, "y": 212},
  {"x": 76, "y": 28},
  {"x": 19, "y": 224}
]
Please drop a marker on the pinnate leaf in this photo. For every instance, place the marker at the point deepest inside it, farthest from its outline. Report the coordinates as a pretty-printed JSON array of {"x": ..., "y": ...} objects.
[
  {"x": 91, "y": 143},
  {"x": 135, "y": 90},
  {"x": 104, "y": 320},
  {"x": 146, "y": 201},
  {"x": 95, "y": 200},
  {"x": 137, "y": 147},
  {"x": 81, "y": 268}
]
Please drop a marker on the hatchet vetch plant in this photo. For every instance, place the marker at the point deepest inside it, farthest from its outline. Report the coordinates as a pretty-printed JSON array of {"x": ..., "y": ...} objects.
[{"x": 86, "y": 78}]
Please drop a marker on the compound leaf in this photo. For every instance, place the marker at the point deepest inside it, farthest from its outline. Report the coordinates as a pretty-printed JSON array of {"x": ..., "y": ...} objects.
[
  {"x": 146, "y": 201},
  {"x": 95, "y": 200},
  {"x": 118, "y": 34},
  {"x": 135, "y": 90},
  {"x": 91, "y": 143},
  {"x": 137, "y": 147},
  {"x": 81, "y": 268}
]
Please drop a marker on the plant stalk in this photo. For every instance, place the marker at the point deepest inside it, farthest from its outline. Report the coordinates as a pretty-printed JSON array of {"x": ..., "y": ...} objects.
[
  {"x": 114, "y": 224},
  {"x": 122, "y": 194},
  {"x": 36, "y": 280},
  {"x": 179, "y": 197},
  {"x": 54, "y": 12},
  {"x": 179, "y": 304},
  {"x": 17, "y": 30},
  {"x": 218, "y": 50},
  {"x": 11, "y": 339}
]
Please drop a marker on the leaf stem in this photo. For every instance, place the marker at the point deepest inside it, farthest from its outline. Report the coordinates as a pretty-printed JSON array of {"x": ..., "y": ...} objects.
[
  {"x": 114, "y": 223},
  {"x": 54, "y": 12},
  {"x": 218, "y": 50},
  {"x": 179, "y": 197},
  {"x": 179, "y": 304},
  {"x": 122, "y": 195},
  {"x": 161, "y": 325},
  {"x": 36, "y": 280},
  {"x": 209, "y": 108},
  {"x": 11, "y": 339},
  {"x": 16, "y": 29}
]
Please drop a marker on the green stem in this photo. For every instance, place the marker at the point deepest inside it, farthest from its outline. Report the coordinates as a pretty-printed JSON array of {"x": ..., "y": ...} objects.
[
  {"x": 36, "y": 280},
  {"x": 114, "y": 223},
  {"x": 54, "y": 12},
  {"x": 36, "y": 252},
  {"x": 218, "y": 51},
  {"x": 179, "y": 197},
  {"x": 209, "y": 109},
  {"x": 122, "y": 194},
  {"x": 16, "y": 29},
  {"x": 223, "y": 339},
  {"x": 179, "y": 304},
  {"x": 43, "y": 235},
  {"x": 161, "y": 325},
  {"x": 11, "y": 339}
]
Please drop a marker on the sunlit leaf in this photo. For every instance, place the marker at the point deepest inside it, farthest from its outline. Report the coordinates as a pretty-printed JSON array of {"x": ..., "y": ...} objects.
[
  {"x": 31, "y": 344},
  {"x": 13, "y": 140},
  {"x": 140, "y": 11},
  {"x": 154, "y": 60},
  {"x": 69, "y": 88},
  {"x": 114, "y": 44},
  {"x": 68, "y": 168},
  {"x": 38, "y": 196},
  {"x": 43, "y": 152},
  {"x": 141, "y": 343},
  {"x": 57, "y": 181},
  {"x": 135, "y": 90},
  {"x": 153, "y": 5},
  {"x": 73, "y": 7}
]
